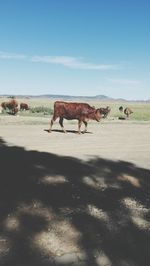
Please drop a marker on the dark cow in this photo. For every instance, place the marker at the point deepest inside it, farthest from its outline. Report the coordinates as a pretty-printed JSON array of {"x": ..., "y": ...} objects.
[
  {"x": 24, "y": 106},
  {"x": 128, "y": 111},
  {"x": 105, "y": 111},
  {"x": 121, "y": 108},
  {"x": 73, "y": 110}
]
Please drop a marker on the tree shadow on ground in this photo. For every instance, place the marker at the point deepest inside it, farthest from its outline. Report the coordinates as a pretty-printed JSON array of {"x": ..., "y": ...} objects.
[{"x": 48, "y": 203}]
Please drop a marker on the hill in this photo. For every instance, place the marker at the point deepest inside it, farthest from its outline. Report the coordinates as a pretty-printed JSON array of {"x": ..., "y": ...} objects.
[{"x": 73, "y": 98}]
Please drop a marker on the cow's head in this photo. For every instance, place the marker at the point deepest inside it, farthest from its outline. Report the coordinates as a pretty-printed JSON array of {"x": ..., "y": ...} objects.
[
  {"x": 98, "y": 115},
  {"x": 108, "y": 108}
]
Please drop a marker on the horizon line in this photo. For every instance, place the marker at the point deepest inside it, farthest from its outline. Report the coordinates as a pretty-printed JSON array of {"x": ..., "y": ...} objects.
[{"x": 105, "y": 97}]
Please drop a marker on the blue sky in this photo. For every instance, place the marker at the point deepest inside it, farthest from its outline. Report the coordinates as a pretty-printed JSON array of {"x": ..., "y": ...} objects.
[{"x": 75, "y": 47}]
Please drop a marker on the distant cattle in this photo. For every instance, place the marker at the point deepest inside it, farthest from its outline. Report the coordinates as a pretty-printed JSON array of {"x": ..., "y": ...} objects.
[
  {"x": 105, "y": 111},
  {"x": 128, "y": 111},
  {"x": 11, "y": 106},
  {"x": 73, "y": 110},
  {"x": 4, "y": 105},
  {"x": 121, "y": 108},
  {"x": 24, "y": 107}
]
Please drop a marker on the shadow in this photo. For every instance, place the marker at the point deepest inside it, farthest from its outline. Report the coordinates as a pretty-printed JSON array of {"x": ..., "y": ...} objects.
[
  {"x": 52, "y": 205},
  {"x": 68, "y": 131},
  {"x": 122, "y": 118}
]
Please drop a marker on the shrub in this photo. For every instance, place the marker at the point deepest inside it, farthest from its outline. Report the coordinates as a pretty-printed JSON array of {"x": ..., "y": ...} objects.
[{"x": 41, "y": 109}]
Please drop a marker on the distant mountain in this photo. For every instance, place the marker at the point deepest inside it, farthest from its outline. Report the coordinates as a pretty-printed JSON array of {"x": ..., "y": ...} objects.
[
  {"x": 102, "y": 97},
  {"x": 97, "y": 97},
  {"x": 59, "y": 96},
  {"x": 72, "y": 98}
]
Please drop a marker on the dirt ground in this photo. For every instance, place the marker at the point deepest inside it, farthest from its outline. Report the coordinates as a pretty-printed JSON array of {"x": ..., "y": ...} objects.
[
  {"x": 117, "y": 140},
  {"x": 64, "y": 193}
]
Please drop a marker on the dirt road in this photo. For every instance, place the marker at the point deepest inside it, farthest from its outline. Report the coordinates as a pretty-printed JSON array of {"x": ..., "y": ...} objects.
[{"x": 115, "y": 140}]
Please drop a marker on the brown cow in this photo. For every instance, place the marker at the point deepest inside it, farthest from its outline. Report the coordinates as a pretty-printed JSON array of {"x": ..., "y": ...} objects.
[
  {"x": 11, "y": 106},
  {"x": 128, "y": 111},
  {"x": 73, "y": 110},
  {"x": 4, "y": 105},
  {"x": 24, "y": 106}
]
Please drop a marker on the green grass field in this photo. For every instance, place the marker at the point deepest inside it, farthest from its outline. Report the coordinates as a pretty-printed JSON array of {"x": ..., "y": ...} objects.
[{"x": 44, "y": 107}]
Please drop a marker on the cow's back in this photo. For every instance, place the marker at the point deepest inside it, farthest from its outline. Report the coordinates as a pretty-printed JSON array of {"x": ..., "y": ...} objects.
[{"x": 72, "y": 110}]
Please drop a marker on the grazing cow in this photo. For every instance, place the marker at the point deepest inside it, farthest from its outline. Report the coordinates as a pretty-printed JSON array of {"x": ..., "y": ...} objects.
[
  {"x": 105, "y": 111},
  {"x": 121, "y": 108},
  {"x": 4, "y": 105},
  {"x": 73, "y": 110},
  {"x": 24, "y": 106},
  {"x": 11, "y": 106},
  {"x": 128, "y": 111}
]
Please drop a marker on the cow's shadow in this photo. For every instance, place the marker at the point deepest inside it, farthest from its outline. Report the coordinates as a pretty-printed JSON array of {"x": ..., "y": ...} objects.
[
  {"x": 68, "y": 131},
  {"x": 106, "y": 203}
]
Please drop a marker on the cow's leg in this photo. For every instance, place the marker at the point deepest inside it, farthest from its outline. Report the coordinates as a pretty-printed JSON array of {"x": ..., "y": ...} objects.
[
  {"x": 61, "y": 124},
  {"x": 51, "y": 123},
  {"x": 85, "y": 123},
  {"x": 79, "y": 126}
]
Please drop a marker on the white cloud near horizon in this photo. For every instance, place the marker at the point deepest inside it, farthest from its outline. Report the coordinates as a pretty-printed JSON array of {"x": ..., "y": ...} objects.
[
  {"x": 66, "y": 61},
  {"x": 4, "y": 55},
  {"x": 124, "y": 81}
]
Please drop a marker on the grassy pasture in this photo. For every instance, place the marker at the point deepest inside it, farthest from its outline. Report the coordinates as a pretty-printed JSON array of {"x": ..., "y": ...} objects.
[{"x": 141, "y": 111}]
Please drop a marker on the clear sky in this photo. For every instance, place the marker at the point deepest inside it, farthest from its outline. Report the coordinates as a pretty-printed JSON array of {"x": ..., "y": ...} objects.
[{"x": 75, "y": 47}]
